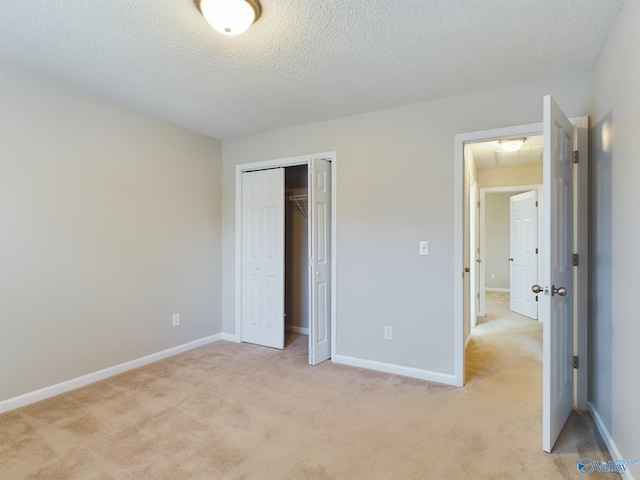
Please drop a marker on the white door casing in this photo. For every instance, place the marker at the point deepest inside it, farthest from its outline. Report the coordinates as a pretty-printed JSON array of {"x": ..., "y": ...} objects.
[
  {"x": 476, "y": 235},
  {"x": 262, "y": 303},
  {"x": 555, "y": 310},
  {"x": 320, "y": 260},
  {"x": 523, "y": 259},
  {"x": 474, "y": 254}
]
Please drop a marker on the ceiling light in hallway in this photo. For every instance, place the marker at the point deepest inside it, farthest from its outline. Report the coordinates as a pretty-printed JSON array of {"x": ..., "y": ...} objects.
[{"x": 512, "y": 144}]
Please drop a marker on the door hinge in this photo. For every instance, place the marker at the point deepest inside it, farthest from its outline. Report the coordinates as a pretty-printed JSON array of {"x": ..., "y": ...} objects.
[
  {"x": 575, "y": 361},
  {"x": 536, "y": 251},
  {"x": 575, "y": 156},
  {"x": 575, "y": 259},
  {"x": 478, "y": 204},
  {"x": 536, "y": 203}
]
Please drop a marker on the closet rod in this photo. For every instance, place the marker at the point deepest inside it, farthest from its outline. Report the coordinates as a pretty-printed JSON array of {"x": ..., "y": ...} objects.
[{"x": 297, "y": 199}]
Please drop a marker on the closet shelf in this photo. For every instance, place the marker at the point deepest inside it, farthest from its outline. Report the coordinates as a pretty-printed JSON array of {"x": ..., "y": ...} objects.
[{"x": 300, "y": 202}]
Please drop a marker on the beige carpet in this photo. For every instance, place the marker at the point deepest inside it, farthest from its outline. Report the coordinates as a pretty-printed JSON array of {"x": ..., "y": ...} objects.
[{"x": 238, "y": 411}]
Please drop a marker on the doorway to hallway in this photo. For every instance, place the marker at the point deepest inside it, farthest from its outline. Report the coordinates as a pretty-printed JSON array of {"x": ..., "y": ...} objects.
[{"x": 562, "y": 142}]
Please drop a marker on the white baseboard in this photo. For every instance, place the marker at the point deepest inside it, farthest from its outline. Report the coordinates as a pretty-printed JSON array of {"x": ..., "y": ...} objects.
[
  {"x": 294, "y": 329},
  {"x": 396, "y": 369},
  {"x": 496, "y": 289},
  {"x": 68, "y": 385},
  {"x": 466, "y": 342},
  {"x": 230, "y": 337},
  {"x": 614, "y": 451}
]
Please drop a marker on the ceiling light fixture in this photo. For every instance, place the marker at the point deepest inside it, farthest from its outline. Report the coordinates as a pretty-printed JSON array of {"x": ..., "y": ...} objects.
[
  {"x": 512, "y": 144},
  {"x": 230, "y": 17}
]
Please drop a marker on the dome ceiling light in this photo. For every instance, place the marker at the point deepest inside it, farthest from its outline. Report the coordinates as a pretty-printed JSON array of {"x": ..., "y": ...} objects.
[
  {"x": 512, "y": 144},
  {"x": 230, "y": 17}
]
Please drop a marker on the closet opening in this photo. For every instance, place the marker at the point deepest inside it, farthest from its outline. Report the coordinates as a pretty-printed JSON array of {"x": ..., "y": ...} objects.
[
  {"x": 296, "y": 252},
  {"x": 285, "y": 261}
]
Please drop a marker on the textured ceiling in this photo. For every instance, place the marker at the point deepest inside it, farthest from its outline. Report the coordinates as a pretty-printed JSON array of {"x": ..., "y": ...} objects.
[{"x": 304, "y": 60}]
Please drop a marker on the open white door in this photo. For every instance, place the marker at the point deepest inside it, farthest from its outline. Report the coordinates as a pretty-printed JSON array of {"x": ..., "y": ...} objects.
[
  {"x": 556, "y": 287},
  {"x": 262, "y": 314},
  {"x": 523, "y": 240},
  {"x": 320, "y": 260}
]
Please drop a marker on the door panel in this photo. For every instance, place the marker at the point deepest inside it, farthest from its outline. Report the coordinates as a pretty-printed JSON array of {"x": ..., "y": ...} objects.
[
  {"x": 320, "y": 260},
  {"x": 262, "y": 313},
  {"x": 523, "y": 258},
  {"x": 556, "y": 310}
]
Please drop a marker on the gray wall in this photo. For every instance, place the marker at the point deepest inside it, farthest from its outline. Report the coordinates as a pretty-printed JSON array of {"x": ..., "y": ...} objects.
[
  {"x": 497, "y": 249},
  {"x": 395, "y": 180},
  {"x": 615, "y": 171},
  {"x": 110, "y": 224}
]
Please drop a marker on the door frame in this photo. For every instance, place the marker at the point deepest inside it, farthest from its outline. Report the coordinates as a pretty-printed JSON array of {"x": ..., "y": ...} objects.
[
  {"x": 474, "y": 253},
  {"x": 581, "y": 340},
  {"x": 283, "y": 163},
  {"x": 483, "y": 235}
]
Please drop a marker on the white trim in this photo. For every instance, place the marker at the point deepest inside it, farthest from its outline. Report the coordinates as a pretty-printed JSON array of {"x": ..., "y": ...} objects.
[
  {"x": 334, "y": 253},
  {"x": 412, "y": 372},
  {"x": 581, "y": 279},
  {"x": 467, "y": 342},
  {"x": 286, "y": 162},
  {"x": 294, "y": 329},
  {"x": 496, "y": 289},
  {"x": 458, "y": 227},
  {"x": 229, "y": 337},
  {"x": 614, "y": 451},
  {"x": 68, "y": 385}
]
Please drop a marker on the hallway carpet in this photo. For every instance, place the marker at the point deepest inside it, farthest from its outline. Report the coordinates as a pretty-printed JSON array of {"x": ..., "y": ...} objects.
[{"x": 239, "y": 411}]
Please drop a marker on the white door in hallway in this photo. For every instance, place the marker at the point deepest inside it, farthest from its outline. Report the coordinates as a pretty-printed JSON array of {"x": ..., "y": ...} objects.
[
  {"x": 556, "y": 298},
  {"x": 320, "y": 260},
  {"x": 262, "y": 280},
  {"x": 523, "y": 259}
]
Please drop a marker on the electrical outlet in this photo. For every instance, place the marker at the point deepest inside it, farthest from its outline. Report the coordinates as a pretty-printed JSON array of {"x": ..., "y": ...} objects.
[
  {"x": 388, "y": 332},
  {"x": 175, "y": 319}
]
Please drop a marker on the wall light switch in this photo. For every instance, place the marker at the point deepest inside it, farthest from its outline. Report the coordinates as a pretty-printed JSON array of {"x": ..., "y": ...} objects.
[
  {"x": 424, "y": 247},
  {"x": 175, "y": 319},
  {"x": 388, "y": 332}
]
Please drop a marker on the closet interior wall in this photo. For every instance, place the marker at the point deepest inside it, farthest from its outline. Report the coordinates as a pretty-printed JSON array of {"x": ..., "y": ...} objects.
[{"x": 296, "y": 255}]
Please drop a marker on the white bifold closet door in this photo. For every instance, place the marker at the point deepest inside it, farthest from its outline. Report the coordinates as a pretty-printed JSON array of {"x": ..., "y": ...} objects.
[
  {"x": 263, "y": 257},
  {"x": 320, "y": 260}
]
